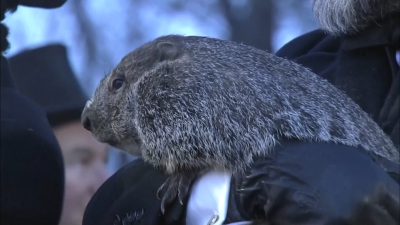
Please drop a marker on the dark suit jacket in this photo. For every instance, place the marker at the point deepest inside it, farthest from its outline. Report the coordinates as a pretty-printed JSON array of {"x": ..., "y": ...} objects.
[{"x": 32, "y": 170}]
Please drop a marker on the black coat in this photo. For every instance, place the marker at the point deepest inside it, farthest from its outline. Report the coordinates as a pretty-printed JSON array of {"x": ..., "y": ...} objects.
[
  {"x": 306, "y": 183},
  {"x": 302, "y": 182},
  {"x": 32, "y": 170},
  {"x": 363, "y": 66}
]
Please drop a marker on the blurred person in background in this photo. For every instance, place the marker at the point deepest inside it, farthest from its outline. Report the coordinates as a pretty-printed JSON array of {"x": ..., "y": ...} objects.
[
  {"x": 32, "y": 170},
  {"x": 44, "y": 75}
]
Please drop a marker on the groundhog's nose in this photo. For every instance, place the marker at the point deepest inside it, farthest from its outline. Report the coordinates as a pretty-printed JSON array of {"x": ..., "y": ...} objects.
[{"x": 85, "y": 119}]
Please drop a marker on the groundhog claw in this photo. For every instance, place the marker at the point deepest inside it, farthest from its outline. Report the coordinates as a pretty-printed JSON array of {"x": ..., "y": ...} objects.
[
  {"x": 160, "y": 189},
  {"x": 183, "y": 188},
  {"x": 176, "y": 185}
]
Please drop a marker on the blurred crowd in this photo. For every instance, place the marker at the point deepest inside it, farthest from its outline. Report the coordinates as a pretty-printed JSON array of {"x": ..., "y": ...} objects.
[{"x": 44, "y": 75}]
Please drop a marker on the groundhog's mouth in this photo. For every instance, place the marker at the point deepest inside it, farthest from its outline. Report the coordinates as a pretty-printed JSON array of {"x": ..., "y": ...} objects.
[
  {"x": 112, "y": 143},
  {"x": 104, "y": 139},
  {"x": 132, "y": 146}
]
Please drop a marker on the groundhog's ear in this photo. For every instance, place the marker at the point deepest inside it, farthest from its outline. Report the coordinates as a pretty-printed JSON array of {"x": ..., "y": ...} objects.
[{"x": 167, "y": 51}]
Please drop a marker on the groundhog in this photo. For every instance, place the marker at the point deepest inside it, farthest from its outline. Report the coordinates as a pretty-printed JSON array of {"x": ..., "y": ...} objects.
[{"x": 190, "y": 104}]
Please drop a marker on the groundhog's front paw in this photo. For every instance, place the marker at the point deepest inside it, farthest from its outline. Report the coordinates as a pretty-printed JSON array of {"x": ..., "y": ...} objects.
[{"x": 177, "y": 184}]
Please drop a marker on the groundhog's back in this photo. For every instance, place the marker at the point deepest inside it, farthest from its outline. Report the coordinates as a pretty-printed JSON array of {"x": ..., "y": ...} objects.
[{"x": 218, "y": 104}]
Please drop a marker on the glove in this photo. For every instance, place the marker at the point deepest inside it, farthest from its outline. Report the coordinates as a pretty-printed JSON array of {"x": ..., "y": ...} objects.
[
  {"x": 130, "y": 197},
  {"x": 319, "y": 183}
]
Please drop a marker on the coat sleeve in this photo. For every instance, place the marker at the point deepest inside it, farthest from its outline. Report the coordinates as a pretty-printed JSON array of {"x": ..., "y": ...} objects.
[
  {"x": 319, "y": 183},
  {"x": 32, "y": 170},
  {"x": 314, "y": 50},
  {"x": 130, "y": 195}
]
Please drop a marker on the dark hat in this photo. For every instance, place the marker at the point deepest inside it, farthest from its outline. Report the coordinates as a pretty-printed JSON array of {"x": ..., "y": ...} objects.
[
  {"x": 129, "y": 196},
  {"x": 47, "y": 4},
  {"x": 45, "y": 76}
]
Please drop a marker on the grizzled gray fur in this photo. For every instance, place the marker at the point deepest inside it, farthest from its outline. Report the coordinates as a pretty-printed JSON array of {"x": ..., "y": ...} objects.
[
  {"x": 203, "y": 103},
  {"x": 192, "y": 104},
  {"x": 350, "y": 16}
]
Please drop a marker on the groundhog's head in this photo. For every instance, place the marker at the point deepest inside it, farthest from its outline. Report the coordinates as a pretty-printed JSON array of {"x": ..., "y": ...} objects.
[{"x": 110, "y": 113}]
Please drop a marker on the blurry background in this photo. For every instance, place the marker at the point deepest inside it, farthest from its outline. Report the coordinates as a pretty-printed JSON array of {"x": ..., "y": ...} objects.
[{"x": 99, "y": 33}]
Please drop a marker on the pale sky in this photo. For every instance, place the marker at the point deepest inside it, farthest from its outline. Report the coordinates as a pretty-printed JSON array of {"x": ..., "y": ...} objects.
[{"x": 33, "y": 27}]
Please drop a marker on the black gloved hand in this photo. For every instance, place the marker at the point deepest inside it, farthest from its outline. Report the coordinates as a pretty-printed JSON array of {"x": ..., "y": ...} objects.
[
  {"x": 130, "y": 197},
  {"x": 302, "y": 183},
  {"x": 319, "y": 183},
  {"x": 381, "y": 208}
]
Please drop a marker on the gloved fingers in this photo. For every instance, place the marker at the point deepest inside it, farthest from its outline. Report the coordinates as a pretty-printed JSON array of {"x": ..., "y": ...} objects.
[
  {"x": 374, "y": 214},
  {"x": 390, "y": 203},
  {"x": 384, "y": 198},
  {"x": 381, "y": 208}
]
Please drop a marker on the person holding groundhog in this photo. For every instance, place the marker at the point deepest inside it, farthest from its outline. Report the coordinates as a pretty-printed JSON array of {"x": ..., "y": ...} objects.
[{"x": 259, "y": 196}]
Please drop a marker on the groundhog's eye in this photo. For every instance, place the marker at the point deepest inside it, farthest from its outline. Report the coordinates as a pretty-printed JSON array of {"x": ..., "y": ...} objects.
[{"x": 117, "y": 83}]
